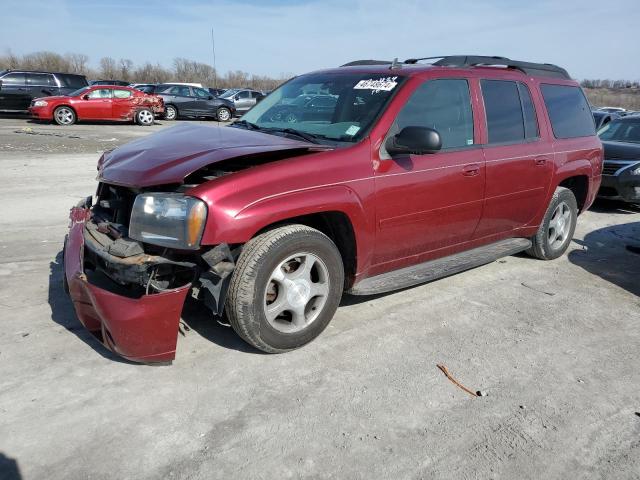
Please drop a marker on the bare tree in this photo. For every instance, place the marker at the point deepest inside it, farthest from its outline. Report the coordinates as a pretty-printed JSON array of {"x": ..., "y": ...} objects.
[
  {"x": 108, "y": 69},
  {"x": 77, "y": 62},
  {"x": 126, "y": 66}
]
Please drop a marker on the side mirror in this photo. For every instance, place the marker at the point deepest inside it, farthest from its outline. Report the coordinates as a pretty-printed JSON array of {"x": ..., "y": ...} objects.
[
  {"x": 85, "y": 97},
  {"x": 416, "y": 140},
  {"x": 211, "y": 97}
]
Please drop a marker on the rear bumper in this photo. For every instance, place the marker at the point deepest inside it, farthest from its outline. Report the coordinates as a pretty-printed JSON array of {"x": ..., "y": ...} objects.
[{"x": 142, "y": 329}]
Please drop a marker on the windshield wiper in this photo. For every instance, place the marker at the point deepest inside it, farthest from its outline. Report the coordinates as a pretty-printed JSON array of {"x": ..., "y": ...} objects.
[
  {"x": 247, "y": 125},
  {"x": 309, "y": 137}
]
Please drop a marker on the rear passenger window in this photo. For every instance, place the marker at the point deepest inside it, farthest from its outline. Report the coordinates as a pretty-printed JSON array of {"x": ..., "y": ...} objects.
[
  {"x": 505, "y": 121},
  {"x": 121, "y": 93},
  {"x": 13, "y": 79},
  {"x": 40, "y": 80},
  {"x": 569, "y": 111},
  {"x": 445, "y": 106}
]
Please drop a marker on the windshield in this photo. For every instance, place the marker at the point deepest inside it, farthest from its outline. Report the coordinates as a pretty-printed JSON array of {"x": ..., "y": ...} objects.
[
  {"x": 229, "y": 93},
  {"x": 331, "y": 106},
  {"x": 79, "y": 92},
  {"x": 621, "y": 131}
]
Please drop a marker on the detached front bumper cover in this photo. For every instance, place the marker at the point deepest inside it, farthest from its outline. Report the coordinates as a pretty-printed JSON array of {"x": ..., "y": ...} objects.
[{"x": 142, "y": 329}]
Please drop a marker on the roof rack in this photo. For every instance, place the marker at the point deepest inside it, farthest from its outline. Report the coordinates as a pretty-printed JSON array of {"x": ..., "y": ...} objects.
[
  {"x": 530, "y": 68},
  {"x": 539, "y": 69},
  {"x": 355, "y": 63}
]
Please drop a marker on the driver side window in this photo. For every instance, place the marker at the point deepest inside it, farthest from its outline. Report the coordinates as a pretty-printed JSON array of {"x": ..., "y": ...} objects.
[
  {"x": 443, "y": 105},
  {"x": 100, "y": 93}
]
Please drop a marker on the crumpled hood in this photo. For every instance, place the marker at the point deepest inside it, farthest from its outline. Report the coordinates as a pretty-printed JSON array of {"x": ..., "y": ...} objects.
[
  {"x": 621, "y": 150},
  {"x": 170, "y": 155}
]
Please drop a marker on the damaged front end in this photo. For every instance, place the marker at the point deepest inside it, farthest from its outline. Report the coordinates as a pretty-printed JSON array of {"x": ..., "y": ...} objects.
[{"x": 130, "y": 294}]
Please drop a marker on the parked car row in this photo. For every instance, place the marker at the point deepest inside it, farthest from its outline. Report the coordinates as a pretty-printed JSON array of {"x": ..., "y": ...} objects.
[{"x": 66, "y": 98}]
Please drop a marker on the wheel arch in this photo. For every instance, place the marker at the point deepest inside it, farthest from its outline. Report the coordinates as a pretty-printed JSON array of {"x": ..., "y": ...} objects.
[
  {"x": 341, "y": 217},
  {"x": 579, "y": 186},
  {"x": 338, "y": 227},
  {"x": 69, "y": 106}
]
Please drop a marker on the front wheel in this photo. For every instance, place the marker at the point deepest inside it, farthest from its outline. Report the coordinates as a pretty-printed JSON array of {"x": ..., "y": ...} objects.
[
  {"x": 285, "y": 289},
  {"x": 223, "y": 114},
  {"x": 557, "y": 227},
  {"x": 64, "y": 116},
  {"x": 170, "y": 112}
]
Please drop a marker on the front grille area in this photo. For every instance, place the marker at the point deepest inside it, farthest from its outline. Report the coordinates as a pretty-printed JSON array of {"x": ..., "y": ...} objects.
[
  {"x": 115, "y": 203},
  {"x": 610, "y": 169}
]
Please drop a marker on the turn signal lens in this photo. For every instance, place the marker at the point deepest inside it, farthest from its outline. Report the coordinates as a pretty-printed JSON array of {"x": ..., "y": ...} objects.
[{"x": 195, "y": 223}]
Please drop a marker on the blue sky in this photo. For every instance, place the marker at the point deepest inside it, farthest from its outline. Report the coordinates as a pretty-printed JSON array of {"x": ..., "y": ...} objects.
[{"x": 591, "y": 38}]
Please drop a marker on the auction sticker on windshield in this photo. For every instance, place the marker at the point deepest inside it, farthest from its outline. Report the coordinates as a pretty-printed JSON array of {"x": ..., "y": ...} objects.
[{"x": 386, "y": 83}]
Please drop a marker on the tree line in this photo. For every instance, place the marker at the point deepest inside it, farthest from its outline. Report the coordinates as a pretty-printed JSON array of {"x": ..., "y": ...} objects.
[
  {"x": 614, "y": 84},
  {"x": 183, "y": 70}
]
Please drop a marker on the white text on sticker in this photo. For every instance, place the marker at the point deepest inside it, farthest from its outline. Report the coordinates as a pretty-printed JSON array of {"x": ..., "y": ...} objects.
[{"x": 387, "y": 84}]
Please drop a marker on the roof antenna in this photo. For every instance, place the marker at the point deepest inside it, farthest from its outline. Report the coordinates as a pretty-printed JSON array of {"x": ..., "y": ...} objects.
[{"x": 395, "y": 64}]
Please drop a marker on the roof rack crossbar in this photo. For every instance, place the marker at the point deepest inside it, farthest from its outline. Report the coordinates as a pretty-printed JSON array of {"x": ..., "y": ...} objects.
[
  {"x": 542, "y": 69},
  {"x": 355, "y": 63}
]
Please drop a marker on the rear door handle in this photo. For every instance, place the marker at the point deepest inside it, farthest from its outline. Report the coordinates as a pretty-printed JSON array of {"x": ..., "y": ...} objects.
[
  {"x": 471, "y": 170},
  {"x": 540, "y": 161}
]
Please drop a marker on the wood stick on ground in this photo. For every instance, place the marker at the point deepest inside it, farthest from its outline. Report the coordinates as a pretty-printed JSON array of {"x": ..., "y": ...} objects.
[{"x": 454, "y": 381}]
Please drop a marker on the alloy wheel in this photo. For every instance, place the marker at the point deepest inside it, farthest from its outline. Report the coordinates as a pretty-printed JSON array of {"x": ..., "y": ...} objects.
[
  {"x": 145, "y": 117},
  {"x": 296, "y": 293},
  {"x": 559, "y": 226},
  {"x": 64, "y": 116},
  {"x": 224, "y": 115}
]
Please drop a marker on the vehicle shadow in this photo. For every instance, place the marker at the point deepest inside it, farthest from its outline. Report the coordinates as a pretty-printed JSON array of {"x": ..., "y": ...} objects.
[
  {"x": 63, "y": 313},
  {"x": 614, "y": 206},
  {"x": 197, "y": 317},
  {"x": 9, "y": 469},
  {"x": 604, "y": 254}
]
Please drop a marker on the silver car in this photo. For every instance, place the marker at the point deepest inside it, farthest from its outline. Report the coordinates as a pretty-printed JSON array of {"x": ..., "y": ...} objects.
[{"x": 242, "y": 98}]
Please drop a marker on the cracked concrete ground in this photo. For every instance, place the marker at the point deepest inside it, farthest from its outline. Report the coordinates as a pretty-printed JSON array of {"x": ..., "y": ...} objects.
[{"x": 554, "y": 344}]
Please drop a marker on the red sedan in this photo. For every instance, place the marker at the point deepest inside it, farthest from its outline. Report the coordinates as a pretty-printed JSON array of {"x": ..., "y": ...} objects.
[{"x": 99, "y": 102}]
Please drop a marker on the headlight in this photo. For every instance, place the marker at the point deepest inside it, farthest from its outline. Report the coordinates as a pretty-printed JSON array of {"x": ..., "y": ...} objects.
[
  {"x": 40, "y": 103},
  {"x": 168, "y": 220},
  {"x": 635, "y": 171}
]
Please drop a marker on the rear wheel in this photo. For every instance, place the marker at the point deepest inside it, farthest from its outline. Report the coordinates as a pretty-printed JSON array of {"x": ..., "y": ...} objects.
[
  {"x": 286, "y": 288},
  {"x": 223, "y": 114},
  {"x": 64, "y": 116},
  {"x": 170, "y": 112},
  {"x": 557, "y": 227},
  {"x": 144, "y": 117}
]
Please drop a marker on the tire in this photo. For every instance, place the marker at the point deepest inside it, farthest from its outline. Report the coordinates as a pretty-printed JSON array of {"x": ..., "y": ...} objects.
[
  {"x": 64, "y": 115},
  {"x": 144, "y": 117},
  {"x": 558, "y": 225},
  {"x": 170, "y": 112},
  {"x": 295, "y": 270},
  {"x": 223, "y": 114}
]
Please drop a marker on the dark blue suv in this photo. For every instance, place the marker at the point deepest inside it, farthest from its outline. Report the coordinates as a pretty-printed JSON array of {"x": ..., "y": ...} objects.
[{"x": 19, "y": 87}]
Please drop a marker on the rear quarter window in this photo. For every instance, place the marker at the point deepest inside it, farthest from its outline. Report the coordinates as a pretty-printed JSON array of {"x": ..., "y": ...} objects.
[{"x": 569, "y": 111}]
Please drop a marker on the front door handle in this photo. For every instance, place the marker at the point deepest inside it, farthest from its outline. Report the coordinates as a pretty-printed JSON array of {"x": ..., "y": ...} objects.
[
  {"x": 471, "y": 170},
  {"x": 541, "y": 161}
]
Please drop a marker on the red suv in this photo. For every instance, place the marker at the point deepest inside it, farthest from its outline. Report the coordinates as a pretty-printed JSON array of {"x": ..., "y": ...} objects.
[{"x": 411, "y": 172}]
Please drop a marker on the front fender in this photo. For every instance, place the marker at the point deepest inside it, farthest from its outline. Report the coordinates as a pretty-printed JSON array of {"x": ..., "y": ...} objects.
[{"x": 244, "y": 224}]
